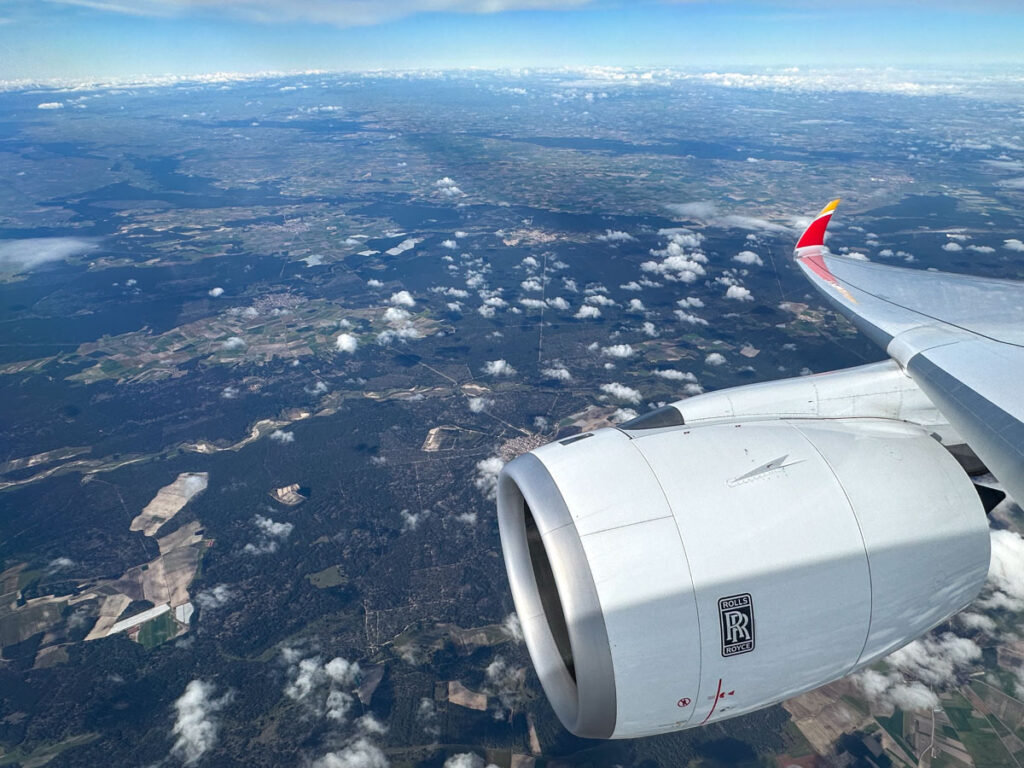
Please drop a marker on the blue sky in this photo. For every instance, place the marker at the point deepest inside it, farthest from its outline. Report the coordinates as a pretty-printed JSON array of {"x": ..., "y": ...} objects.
[{"x": 113, "y": 38}]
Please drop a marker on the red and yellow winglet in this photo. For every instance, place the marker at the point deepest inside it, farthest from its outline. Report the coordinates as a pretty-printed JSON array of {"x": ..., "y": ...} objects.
[
  {"x": 810, "y": 250},
  {"x": 815, "y": 233}
]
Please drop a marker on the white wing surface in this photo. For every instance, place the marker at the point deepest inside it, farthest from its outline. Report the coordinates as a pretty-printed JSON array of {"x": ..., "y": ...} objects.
[{"x": 960, "y": 338}]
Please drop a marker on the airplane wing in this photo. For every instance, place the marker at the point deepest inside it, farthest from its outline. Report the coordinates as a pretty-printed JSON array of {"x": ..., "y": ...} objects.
[{"x": 960, "y": 338}]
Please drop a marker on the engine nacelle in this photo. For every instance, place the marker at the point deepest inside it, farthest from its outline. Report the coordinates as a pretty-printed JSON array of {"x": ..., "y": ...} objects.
[{"x": 671, "y": 577}]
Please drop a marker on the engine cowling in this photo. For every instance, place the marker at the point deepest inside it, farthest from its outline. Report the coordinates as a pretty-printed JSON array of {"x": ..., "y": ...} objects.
[{"x": 671, "y": 577}]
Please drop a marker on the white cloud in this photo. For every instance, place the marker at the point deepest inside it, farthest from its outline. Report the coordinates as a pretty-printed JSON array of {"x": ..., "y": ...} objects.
[
  {"x": 557, "y": 302},
  {"x": 359, "y": 753},
  {"x": 1013, "y": 244},
  {"x": 21, "y": 255},
  {"x": 621, "y": 392},
  {"x": 402, "y": 299},
  {"x": 282, "y": 437},
  {"x": 487, "y": 472},
  {"x": 51, "y": 105},
  {"x": 466, "y": 760},
  {"x": 479, "y": 404},
  {"x": 271, "y": 534},
  {"x": 707, "y": 212},
  {"x": 620, "y": 351},
  {"x": 981, "y": 248},
  {"x": 196, "y": 725},
  {"x": 632, "y": 285},
  {"x": 346, "y": 342},
  {"x": 891, "y": 689},
  {"x": 715, "y": 359},
  {"x": 449, "y": 244},
  {"x": 673, "y": 375},
  {"x": 587, "y": 312},
  {"x": 739, "y": 293},
  {"x": 558, "y": 372},
  {"x": 600, "y": 300},
  {"x": 952, "y": 247},
  {"x": 690, "y": 302},
  {"x": 748, "y": 257},
  {"x": 233, "y": 342},
  {"x": 649, "y": 329},
  {"x": 532, "y": 284},
  {"x": 446, "y": 187},
  {"x": 513, "y": 628},
  {"x": 215, "y": 597},
  {"x": 689, "y": 317},
  {"x": 216, "y": 292},
  {"x": 637, "y": 306},
  {"x": 615, "y": 236},
  {"x": 374, "y": 283},
  {"x": 498, "y": 368},
  {"x": 936, "y": 660},
  {"x": 396, "y": 316},
  {"x": 1006, "y": 572}
]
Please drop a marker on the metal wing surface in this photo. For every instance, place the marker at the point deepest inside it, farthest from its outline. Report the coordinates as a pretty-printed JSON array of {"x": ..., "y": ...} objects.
[{"x": 961, "y": 339}]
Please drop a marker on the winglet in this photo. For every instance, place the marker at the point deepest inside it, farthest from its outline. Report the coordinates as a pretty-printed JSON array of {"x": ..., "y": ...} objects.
[{"x": 815, "y": 233}]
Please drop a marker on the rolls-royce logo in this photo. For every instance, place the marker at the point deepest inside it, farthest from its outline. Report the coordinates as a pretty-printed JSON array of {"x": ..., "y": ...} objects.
[{"x": 736, "y": 618}]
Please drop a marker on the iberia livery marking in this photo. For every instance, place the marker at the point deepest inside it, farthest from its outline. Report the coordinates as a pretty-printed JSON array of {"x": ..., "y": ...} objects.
[{"x": 814, "y": 237}]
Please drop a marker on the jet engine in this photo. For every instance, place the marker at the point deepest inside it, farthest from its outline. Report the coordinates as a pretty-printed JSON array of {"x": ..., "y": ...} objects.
[{"x": 669, "y": 574}]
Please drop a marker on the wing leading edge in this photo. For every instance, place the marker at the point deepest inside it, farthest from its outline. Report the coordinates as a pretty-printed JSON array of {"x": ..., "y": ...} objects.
[{"x": 961, "y": 339}]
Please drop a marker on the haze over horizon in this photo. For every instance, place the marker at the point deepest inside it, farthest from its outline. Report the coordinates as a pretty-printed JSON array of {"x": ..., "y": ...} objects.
[{"x": 82, "y": 39}]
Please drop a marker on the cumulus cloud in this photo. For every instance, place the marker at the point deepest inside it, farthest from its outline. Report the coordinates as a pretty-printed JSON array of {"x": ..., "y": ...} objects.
[
  {"x": 690, "y": 302},
  {"x": 620, "y": 351},
  {"x": 981, "y": 248},
  {"x": 50, "y": 105},
  {"x": 557, "y": 302},
  {"x": 271, "y": 533},
  {"x": 636, "y": 306},
  {"x": 215, "y": 597},
  {"x": 25, "y": 254},
  {"x": 532, "y": 284},
  {"x": 557, "y": 372},
  {"x": 467, "y": 760},
  {"x": 587, "y": 312},
  {"x": 715, "y": 359},
  {"x": 498, "y": 368},
  {"x": 233, "y": 342},
  {"x": 402, "y": 299},
  {"x": 374, "y": 283},
  {"x": 749, "y": 258},
  {"x": 446, "y": 187},
  {"x": 325, "y": 689},
  {"x": 346, "y": 342},
  {"x": 282, "y": 437},
  {"x": 738, "y": 293},
  {"x": 487, "y": 472},
  {"x": 673, "y": 375},
  {"x": 615, "y": 236},
  {"x": 1006, "y": 572},
  {"x": 621, "y": 392},
  {"x": 479, "y": 404},
  {"x": 358, "y": 753},
  {"x": 689, "y": 317},
  {"x": 650, "y": 329},
  {"x": 449, "y": 244},
  {"x": 216, "y": 292},
  {"x": 681, "y": 259},
  {"x": 936, "y": 660},
  {"x": 196, "y": 724},
  {"x": 892, "y": 689},
  {"x": 953, "y": 247},
  {"x": 1013, "y": 244},
  {"x": 600, "y": 300}
]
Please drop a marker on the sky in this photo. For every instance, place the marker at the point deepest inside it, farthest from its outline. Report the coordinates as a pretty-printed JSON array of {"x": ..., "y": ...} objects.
[{"x": 87, "y": 39}]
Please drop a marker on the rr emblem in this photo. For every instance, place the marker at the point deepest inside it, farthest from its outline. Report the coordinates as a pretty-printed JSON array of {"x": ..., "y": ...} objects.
[{"x": 736, "y": 618}]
